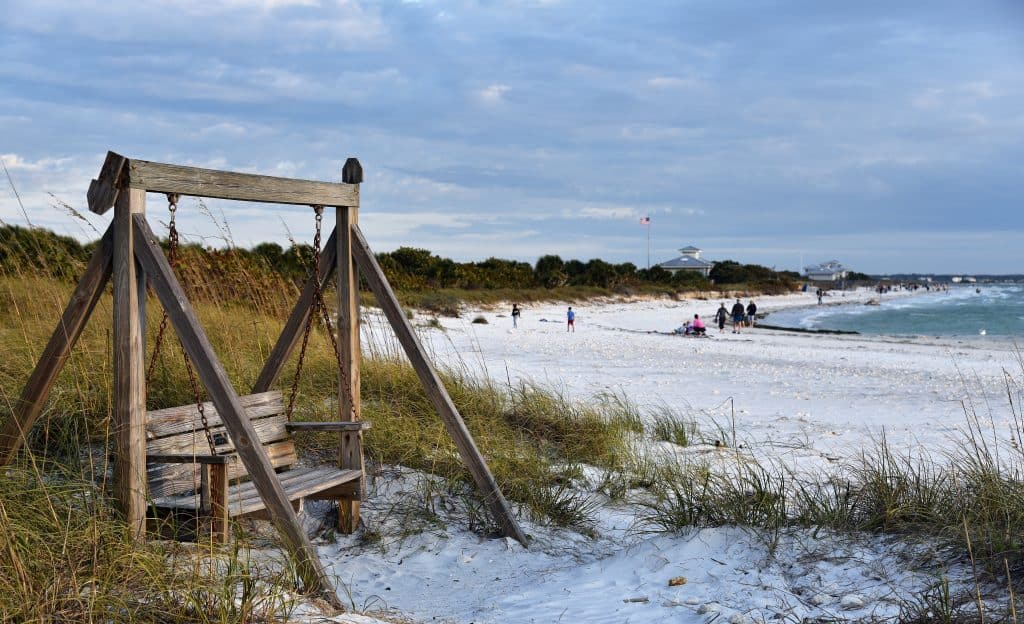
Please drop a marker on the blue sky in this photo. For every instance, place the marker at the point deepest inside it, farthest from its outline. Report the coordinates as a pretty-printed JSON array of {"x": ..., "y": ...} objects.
[{"x": 887, "y": 135}]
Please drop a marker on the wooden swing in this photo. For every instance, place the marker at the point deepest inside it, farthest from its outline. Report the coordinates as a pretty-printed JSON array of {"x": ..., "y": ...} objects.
[{"x": 192, "y": 459}]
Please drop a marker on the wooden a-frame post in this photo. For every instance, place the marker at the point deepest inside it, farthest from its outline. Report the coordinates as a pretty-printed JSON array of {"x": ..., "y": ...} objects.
[
  {"x": 130, "y": 253},
  {"x": 350, "y": 451}
]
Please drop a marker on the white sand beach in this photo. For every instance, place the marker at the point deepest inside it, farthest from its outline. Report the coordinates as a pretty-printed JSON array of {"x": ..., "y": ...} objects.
[
  {"x": 797, "y": 395},
  {"x": 805, "y": 400}
]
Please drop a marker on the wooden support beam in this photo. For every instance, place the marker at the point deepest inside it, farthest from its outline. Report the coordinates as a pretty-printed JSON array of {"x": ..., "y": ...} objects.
[
  {"x": 104, "y": 189},
  {"x": 350, "y": 449},
  {"x": 58, "y": 349},
  {"x": 435, "y": 389},
  {"x": 129, "y": 368},
  {"x": 219, "y": 503},
  {"x": 292, "y": 332},
  {"x": 244, "y": 436}
]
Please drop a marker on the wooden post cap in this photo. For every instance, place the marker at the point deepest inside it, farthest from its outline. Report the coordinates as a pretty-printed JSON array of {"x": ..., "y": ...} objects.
[{"x": 352, "y": 172}]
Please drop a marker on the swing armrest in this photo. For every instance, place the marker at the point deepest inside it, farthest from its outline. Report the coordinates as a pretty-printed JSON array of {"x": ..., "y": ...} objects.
[
  {"x": 190, "y": 459},
  {"x": 298, "y": 427}
]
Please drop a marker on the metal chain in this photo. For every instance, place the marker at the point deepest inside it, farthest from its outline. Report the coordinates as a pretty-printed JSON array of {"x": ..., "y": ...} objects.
[
  {"x": 199, "y": 401},
  {"x": 172, "y": 258},
  {"x": 321, "y": 307}
]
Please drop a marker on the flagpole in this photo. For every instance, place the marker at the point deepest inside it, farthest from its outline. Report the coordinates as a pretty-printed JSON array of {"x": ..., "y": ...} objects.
[{"x": 648, "y": 244}]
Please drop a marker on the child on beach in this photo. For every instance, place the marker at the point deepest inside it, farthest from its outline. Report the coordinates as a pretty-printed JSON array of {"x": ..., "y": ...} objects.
[
  {"x": 570, "y": 317},
  {"x": 515, "y": 315}
]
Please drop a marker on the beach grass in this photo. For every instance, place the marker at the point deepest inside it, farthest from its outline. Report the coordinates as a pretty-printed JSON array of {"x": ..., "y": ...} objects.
[{"x": 68, "y": 557}]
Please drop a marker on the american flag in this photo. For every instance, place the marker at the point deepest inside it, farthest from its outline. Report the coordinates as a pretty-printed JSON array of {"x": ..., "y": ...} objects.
[{"x": 645, "y": 220}]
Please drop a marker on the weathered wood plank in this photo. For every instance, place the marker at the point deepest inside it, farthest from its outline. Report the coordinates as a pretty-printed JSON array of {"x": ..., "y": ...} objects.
[
  {"x": 299, "y": 427},
  {"x": 103, "y": 191},
  {"x": 58, "y": 349},
  {"x": 164, "y": 178},
  {"x": 292, "y": 332},
  {"x": 300, "y": 486},
  {"x": 350, "y": 447},
  {"x": 181, "y": 418},
  {"x": 129, "y": 415},
  {"x": 168, "y": 479},
  {"x": 435, "y": 389},
  {"x": 213, "y": 376},
  {"x": 270, "y": 429},
  {"x": 244, "y": 499}
]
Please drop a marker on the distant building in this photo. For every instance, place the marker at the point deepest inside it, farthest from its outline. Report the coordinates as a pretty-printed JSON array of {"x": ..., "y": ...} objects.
[
  {"x": 830, "y": 271},
  {"x": 688, "y": 261}
]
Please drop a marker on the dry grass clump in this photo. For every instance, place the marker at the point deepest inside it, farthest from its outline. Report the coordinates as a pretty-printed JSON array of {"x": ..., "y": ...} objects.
[
  {"x": 68, "y": 557},
  {"x": 669, "y": 426},
  {"x": 688, "y": 496}
]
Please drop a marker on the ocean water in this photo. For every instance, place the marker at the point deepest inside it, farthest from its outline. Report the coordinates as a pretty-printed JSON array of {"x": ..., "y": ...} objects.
[{"x": 998, "y": 310}]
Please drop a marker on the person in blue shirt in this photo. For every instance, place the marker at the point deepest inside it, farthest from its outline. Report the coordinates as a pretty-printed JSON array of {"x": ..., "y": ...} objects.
[{"x": 571, "y": 318}]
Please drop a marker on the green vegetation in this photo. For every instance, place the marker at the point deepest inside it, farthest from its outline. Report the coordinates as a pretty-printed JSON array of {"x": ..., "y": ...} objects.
[{"x": 421, "y": 278}]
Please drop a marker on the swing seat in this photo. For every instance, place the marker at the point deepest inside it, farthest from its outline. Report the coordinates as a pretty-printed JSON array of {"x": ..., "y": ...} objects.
[{"x": 189, "y": 485}]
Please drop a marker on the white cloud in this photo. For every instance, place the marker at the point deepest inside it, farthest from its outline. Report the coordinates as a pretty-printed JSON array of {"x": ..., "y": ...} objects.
[
  {"x": 605, "y": 212},
  {"x": 224, "y": 128},
  {"x": 14, "y": 162},
  {"x": 672, "y": 82},
  {"x": 492, "y": 94}
]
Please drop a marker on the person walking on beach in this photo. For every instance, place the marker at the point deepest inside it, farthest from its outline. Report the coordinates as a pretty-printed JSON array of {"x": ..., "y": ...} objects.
[
  {"x": 737, "y": 317},
  {"x": 721, "y": 316},
  {"x": 515, "y": 315},
  {"x": 570, "y": 317},
  {"x": 751, "y": 311},
  {"x": 820, "y": 293}
]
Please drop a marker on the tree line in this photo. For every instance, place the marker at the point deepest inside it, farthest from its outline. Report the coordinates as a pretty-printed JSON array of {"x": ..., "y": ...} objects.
[{"x": 407, "y": 268}]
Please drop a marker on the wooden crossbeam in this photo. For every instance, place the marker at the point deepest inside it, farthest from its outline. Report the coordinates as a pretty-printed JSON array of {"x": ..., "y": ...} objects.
[
  {"x": 292, "y": 331},
  {"x": 88, "y": 291},
  {"x": 223, "y": 395},
  {"x": 435, "y": 389},
  {"x": 119, "y": 172}
]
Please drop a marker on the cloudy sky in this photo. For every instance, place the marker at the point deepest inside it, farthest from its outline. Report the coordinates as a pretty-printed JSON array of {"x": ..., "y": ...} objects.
[{"x": 887, "y": 135}]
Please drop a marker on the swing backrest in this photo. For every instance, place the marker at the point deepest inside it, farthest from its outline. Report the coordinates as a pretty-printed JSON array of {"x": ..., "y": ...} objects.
[{"x": 179, "y": 430}]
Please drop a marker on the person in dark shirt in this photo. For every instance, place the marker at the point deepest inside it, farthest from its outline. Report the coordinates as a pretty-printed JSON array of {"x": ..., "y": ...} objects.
[
  {"x": 515, "y": 315},
  {"x": 721, "y": 316},
  {"x": 751, "y": 311},
  {"x": 737, "y": 317}
]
